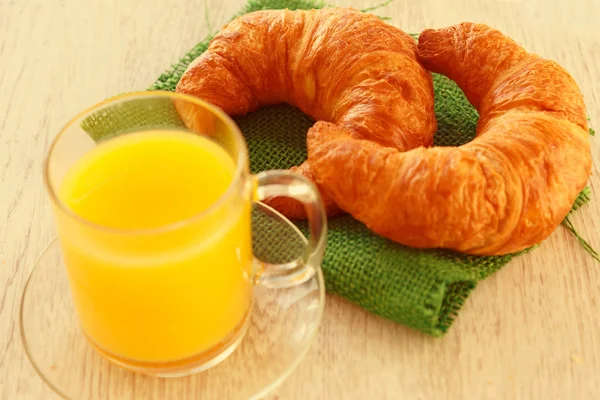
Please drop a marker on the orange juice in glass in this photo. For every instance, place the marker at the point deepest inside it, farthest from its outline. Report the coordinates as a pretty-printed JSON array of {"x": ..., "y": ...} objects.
[{"x": 153, "y": 210}]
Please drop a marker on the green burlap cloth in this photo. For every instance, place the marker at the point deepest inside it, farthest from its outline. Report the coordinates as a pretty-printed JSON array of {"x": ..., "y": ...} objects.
[{"x": 423, "y": 289}]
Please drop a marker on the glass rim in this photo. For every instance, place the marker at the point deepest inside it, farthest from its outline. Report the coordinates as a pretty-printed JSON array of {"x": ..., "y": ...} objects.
[{"x": 242, "y": 161}]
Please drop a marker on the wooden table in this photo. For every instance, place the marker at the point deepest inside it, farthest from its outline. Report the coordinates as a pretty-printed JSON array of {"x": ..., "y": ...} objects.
[{"x": 529, "y": 332}]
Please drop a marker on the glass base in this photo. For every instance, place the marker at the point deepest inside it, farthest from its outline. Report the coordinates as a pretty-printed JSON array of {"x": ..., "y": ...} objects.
[
  {"x": 281, "y": 327},
  {"x": 187, "y": 366}
]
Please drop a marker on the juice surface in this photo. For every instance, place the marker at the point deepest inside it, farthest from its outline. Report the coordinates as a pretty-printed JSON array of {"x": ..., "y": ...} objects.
[{"x": 157, "y": 296}]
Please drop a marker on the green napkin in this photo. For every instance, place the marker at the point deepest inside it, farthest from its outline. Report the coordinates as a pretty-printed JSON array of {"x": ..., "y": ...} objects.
[{"x": 423, "y": 289}]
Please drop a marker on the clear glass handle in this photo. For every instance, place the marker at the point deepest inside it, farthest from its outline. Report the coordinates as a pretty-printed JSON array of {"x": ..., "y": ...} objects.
[{"x": 288, "y": 184}]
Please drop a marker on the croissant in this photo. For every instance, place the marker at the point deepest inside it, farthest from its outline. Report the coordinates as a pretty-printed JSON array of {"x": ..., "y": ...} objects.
[
  {"x": 506, "y": 190},
  {"x": 337, "y": 65}
]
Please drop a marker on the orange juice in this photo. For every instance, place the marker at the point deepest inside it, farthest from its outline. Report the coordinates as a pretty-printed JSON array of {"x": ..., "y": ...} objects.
[{"x": 162, "y": 271}]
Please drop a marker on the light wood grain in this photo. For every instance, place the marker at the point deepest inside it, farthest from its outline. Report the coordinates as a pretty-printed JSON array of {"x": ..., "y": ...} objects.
[{"x": 529, "y": 332}]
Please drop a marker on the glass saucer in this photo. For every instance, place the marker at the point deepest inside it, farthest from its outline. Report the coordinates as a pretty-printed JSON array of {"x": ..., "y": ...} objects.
[{"x": 283, "y": 325}]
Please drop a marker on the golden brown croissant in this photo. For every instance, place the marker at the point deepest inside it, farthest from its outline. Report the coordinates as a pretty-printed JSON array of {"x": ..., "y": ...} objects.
[
  {"x": 336, "y": 65},
  {"x": 506, "y": 190}
]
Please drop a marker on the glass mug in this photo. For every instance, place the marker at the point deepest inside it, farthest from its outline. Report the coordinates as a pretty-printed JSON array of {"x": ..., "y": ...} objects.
[{"x": 175, "y": 298}]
